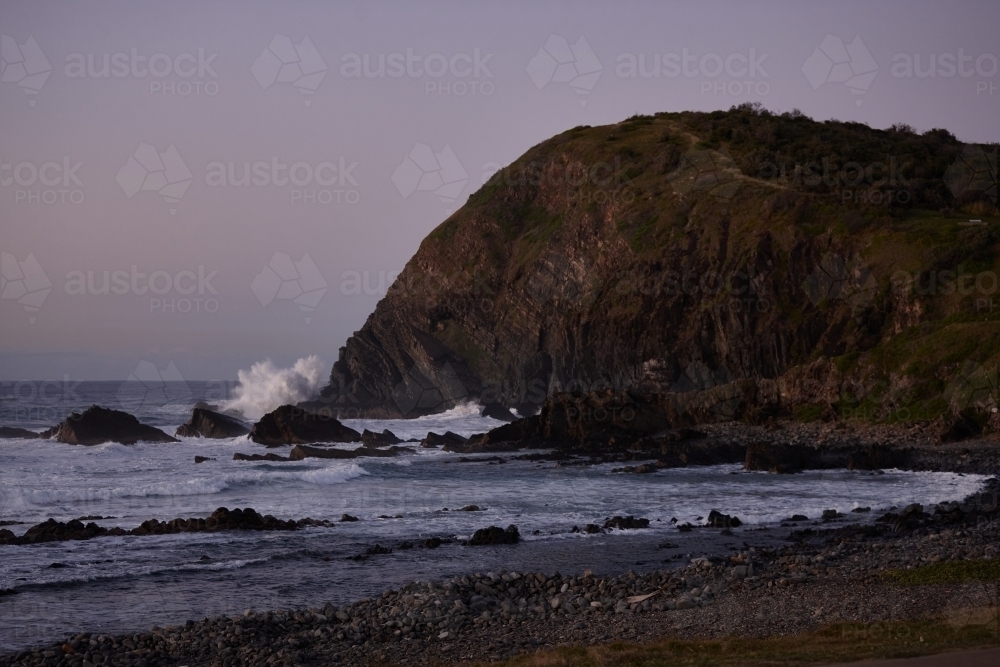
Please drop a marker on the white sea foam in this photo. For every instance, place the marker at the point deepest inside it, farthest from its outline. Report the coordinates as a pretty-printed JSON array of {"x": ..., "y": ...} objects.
[
  {"x": 265, "y": 387},
  {"x": 19, "y": 495}
]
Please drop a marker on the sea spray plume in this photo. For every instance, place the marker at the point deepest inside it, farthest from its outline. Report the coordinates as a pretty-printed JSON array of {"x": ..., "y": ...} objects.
[{"x": 265, "y": 387}]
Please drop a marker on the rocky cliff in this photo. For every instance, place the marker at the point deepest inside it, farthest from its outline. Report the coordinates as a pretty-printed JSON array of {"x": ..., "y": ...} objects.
[{"x": 693, "y": 252}]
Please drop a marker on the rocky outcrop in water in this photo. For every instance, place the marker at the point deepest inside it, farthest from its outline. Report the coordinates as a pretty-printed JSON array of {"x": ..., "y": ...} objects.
[
  {"x": 221, "y": 519},
  {"x": 495, "y": 535},
  {"x": 97, "y": 425},
  {"x": 290, "y": 425},
  {"x": 300, "y": 452},
  {"x": 205, "y": 423},
  {"x": 16, "y": 433}
]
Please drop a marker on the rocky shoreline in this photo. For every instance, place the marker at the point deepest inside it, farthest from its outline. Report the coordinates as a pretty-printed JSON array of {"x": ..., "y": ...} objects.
[{"x": 830, "y": 570}]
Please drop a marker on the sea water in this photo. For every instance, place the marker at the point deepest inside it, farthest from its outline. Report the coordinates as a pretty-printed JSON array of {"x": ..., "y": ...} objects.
[{"x": 128, "y": 583}]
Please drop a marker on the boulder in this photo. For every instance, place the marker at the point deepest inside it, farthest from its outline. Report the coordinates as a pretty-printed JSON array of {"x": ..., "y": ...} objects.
[
  {"x": 383, "y": 439},
  {"x": 97, "y": 425},
  {"x": 626, "y": 523},
  {"x": 495, "y": 535},
  {"x": 717, "y": 519},
  {"x": 449, "y": 441},
  {"x": 289, "y": 425},
  {"x": 205, "y": 423},
  {"x": 12, "y": 433},
  {"x": 202, "y": 459},
  {"x": 498, "y": 411}
]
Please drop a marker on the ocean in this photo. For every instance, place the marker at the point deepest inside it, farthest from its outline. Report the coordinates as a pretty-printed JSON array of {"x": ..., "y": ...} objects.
[{"x": 116, "y": 584}]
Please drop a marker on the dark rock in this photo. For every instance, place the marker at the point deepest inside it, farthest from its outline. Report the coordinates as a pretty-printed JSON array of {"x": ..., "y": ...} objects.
[
  {"x": 626, "y": 523},
  {"x": 222, "y": 519},
  {"x": 719, "y": 520},
  {"x": 290, "y": 425},
  {"x": 470, "y": 508},
  {"x": 961, "y": 427},
  {"x": 499, "y": 412},
  {"x": 495, "y": 535},
  {"x": 16, "y": 433},
  {"x": 432, "y": 542},
  {"x": 798, "y": 517},
  {"x": 685, "y": 527},
  {"x": 238, "y": 456},
  {"x": 300, "y": 452},
  {"x": 385, "y": 438},
  {"x": 593, "y": 528},
  {"x": 57, "y": 566},
  {"x": 202, "y": 459},
  {"x": 377, "y": 550},
  {"x": 205, "y": 423},
  {"x": 348, "y": 517},
  {"x": 449, "y": 441},
  {"x": 792, "y": 458},
  {"x": 97, "y": 425}
]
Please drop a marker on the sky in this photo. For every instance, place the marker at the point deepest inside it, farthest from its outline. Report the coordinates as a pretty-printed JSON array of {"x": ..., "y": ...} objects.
[{"x": 203, "y": 185}]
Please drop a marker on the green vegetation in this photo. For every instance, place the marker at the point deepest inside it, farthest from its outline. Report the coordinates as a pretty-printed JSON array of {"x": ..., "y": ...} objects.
[
  {"x": 695, "y": 191},
  {"x": 834, "y": 644},
  {"x": 950, "y": 572}
]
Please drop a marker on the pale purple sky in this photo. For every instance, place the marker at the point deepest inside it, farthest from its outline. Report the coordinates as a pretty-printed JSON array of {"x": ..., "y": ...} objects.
[{"x": 227, "y": 90}]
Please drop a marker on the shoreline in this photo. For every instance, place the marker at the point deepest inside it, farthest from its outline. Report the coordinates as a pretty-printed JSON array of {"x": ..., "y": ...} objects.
[{"x": 831, "y": 573}]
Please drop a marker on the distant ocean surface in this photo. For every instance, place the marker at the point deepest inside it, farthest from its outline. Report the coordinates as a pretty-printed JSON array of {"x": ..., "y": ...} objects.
[{"x": 131, "y": 583}]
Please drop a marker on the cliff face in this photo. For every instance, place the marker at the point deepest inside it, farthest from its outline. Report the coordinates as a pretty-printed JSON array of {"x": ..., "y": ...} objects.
[{"x": 687, "y": 251}]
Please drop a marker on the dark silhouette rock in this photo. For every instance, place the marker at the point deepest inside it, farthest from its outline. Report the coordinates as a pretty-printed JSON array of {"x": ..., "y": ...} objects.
[
  {"x": 784, "y": 458},
  {"x": 449, "y": 441},
  {"x": 498, "y": 411},
  {"x": 16, "y": 433},
  {"x": 495, "y": 535},
  {"x": 348, "y": 517},
  {"x": 238, "y": 456},
  {"x": 203, "y": 459},
  {"x": 300, "y": 452},
  {"x": 626, "y": 523},
  {"x": 383, "y": 439},
  {"x": 290, "y": 425},
  {"x": 961, "y": 427},
  {"x": 205, "y": 423},
  {"x": 717, "y": 519},
  {"x": 432, "y": 542},
  {"x": 97, "y": 425}
]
